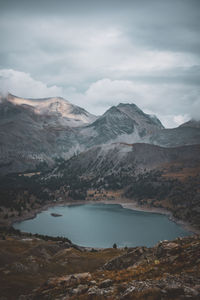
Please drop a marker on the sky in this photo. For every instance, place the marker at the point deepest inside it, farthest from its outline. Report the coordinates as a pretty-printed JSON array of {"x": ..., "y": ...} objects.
[{"x": 97, "y": 54}]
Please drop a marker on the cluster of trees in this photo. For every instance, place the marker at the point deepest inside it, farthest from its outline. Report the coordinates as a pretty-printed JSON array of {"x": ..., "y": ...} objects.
[
  {"x": 20, "y": 192},
  {"x": 11, "y": 230},
  {"x": 183, "y": 197},
  {"x": 152, "y": 185}
]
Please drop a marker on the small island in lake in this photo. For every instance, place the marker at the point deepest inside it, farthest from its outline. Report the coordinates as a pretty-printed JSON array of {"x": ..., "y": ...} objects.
[{"x": 56, "y": 215}]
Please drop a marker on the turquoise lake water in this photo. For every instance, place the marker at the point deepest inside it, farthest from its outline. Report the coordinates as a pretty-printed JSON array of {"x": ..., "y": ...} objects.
[{"x": 102, "y": 225}]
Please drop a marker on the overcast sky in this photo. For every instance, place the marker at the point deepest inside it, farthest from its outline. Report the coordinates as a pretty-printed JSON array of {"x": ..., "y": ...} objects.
[{"x": 99, "y": 53}]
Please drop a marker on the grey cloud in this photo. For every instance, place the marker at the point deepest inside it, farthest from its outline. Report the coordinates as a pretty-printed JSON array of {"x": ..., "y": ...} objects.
[
  {"x": 178, "y": 75},
  {"x": 74, "y": 43}
]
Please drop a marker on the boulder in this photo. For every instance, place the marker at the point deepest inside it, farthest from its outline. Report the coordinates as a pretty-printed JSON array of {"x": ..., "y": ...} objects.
[{"x": 106, "y": 283}]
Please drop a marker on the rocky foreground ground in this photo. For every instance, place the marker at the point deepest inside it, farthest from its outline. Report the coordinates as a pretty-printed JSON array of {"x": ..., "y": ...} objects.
[{"x": 38, "y": 267}]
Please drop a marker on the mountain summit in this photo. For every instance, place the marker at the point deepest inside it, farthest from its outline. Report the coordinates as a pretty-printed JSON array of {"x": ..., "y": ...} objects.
[
  {"x": 72, "y": 115},
  {"x": 142, "y": 119}
]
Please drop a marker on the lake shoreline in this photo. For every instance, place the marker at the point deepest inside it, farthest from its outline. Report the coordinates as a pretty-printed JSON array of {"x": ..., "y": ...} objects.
[
  {"x": 131, "y": 204},
  {"x": 124, "y": 202}
]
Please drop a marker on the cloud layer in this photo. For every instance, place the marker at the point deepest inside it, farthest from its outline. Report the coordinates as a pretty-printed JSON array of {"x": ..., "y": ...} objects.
[
  {"x": 20, "y": 83},
  {"x": 99, "y": 53}
]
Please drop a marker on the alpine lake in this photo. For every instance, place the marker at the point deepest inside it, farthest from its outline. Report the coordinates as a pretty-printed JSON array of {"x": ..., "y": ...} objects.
[{"x": 101, "y": 225}]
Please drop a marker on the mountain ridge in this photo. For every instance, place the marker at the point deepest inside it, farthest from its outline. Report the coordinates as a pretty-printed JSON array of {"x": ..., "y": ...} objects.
[
  {"x": 73, "y": 115},
  {"x": 191, "y": 123},
  {"x": 42, "y": 131}
]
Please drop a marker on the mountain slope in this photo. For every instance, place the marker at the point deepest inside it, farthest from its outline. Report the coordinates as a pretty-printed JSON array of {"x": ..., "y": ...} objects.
[
  {"x": 186, "y": 134},
  {"x": 99, "y": 162},
  {"x": 38, "y": 131},
  {"x": 28, "y": 139},
  {"x": 183, "y": 135}
]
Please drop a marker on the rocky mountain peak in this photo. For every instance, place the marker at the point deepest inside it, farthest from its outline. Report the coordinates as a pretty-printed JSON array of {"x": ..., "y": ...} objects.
[
  {"x": 131, "y": 106},
  {"x": 56, "y": 106}
]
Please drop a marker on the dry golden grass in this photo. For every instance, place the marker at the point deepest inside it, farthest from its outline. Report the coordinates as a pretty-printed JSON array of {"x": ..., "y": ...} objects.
[{"x": 14, "y": 283}]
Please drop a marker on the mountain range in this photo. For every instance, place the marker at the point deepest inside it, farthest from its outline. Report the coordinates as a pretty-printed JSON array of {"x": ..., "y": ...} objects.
[{"x": 37, "y": 133}]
